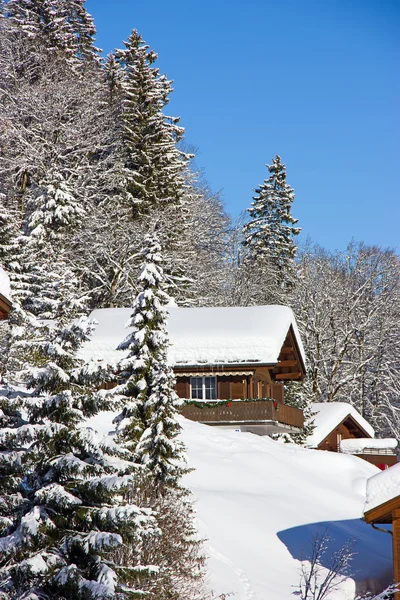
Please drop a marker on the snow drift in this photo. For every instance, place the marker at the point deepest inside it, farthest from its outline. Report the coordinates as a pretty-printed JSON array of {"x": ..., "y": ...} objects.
[{"x": 260, "y": 502}]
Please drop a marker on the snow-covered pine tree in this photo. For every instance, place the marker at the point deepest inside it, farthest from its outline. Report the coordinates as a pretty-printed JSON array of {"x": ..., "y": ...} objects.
[
  {"x": 66, "y": 504},
  {"x": 53, "y": 208},
  {"x": 299, "y": 394},
  {"x": 8, "y": 232},
  {"x": 269, "y": 233},
  {"x": 41, "y": 267},
  {"x": 150, "y": 399},
  {"x": 158, "y": 449},
  {"x": 28, "y": 15},
  {"x": 151, "y": 164},
  {"x": 149, "y": 426},
  {"x": 72, "y": 29},
  {"x": 50, "y": 150},
  {"x": 61, "y": 25}
]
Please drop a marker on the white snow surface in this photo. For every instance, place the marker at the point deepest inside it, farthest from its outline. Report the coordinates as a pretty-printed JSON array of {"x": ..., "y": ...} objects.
[
  {"x": 382, "y": 487},
  {"x": 357, "y": 445},
  {"x": 5, "y": 288},
  {"x": 328, "y": 415},
  {"x": 202, "y": 336},
  {"x": 260, "y": 502}
]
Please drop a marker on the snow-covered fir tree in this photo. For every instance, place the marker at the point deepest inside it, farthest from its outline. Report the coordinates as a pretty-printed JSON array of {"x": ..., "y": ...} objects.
[
  {"x": 61, "y": 25},
  {"x": 66, "y": 498},
  {"x": 148, "y": 424},
  {"x": 152, "y": 165},
  {"x": 151, "y": 400},
  {"x": 268, "y": 236}
]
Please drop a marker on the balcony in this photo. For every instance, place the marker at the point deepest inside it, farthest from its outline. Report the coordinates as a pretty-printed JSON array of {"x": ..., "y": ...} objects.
[{"x": 263, "y": 417}]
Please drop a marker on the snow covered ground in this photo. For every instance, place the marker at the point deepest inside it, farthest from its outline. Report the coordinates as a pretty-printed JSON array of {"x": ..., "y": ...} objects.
[{"x": 260, "y": 502}]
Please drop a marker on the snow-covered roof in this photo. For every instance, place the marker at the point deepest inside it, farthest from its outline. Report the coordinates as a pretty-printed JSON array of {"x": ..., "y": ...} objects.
[
  {"x": 328, "y": 415},
  {"x": 357, "y": 445},
  {"x": 201, "y": 336},
  {"x": 382, "y": 487},
  {"x": 5, "y": 289}
]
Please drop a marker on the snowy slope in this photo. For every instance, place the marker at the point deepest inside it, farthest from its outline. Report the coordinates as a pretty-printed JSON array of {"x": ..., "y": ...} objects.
[{"x": 259, "y": 502}]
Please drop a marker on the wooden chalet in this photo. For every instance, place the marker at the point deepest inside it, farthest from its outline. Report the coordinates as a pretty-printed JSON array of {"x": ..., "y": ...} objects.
[
  {"x": 5, "y": 302},
  {"x": 230, "y": 363},
  {"x": 5, "y": 307},
  {"x": 383, "y": 508},
  {"x": 339, "y": 427}
]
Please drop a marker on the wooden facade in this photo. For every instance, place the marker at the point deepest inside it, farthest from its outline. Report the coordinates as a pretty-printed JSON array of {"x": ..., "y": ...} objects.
[
  {"x": 389, "y": 513},
  {"x": 263, "y": 384},
  {"x": 238, "y": 381},
  {"x": 5, "y": 307},
  {"x": 347, "y": 429},
  {"x": 231, "y": 386}
]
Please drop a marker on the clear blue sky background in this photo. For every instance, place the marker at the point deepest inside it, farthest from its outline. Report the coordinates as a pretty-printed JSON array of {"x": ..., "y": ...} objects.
[{"x": 316, "y": 81}]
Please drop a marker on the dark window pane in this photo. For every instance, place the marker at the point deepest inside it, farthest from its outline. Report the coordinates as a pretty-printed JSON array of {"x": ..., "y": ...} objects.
[
  {"x": 196, "y": 384},
  {"x": 210, "y": 384}
]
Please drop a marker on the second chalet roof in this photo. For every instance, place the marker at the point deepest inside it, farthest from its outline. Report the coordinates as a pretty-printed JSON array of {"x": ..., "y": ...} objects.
[
  {"x": 328, "y": 415},
  {"x": 203, "y": 336}
]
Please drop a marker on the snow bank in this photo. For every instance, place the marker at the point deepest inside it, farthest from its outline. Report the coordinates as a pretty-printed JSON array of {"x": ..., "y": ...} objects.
[
  {"x": 259, "y": 503},
  {"x": 383, "y": 487},
  {"x": 328, "y": 415},
  {"x": 358, "y": 445},
  {"x": 5, "y": 289},
  {"x": 201, "y": 336}
]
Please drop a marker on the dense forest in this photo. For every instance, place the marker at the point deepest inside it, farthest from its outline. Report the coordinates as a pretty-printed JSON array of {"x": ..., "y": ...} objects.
[{"x": 96, "y": 186}]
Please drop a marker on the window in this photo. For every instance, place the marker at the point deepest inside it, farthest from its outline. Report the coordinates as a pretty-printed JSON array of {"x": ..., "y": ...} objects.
[{"x": 203, "y": 388}]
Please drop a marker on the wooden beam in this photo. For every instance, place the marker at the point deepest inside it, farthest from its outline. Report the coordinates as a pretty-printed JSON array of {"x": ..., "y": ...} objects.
[
  {"x": 288, "y": 376},
  {"x": 286, "y": 363},
  {"x": 287, "y": 349},
  {"x": 383, "y": 512}
]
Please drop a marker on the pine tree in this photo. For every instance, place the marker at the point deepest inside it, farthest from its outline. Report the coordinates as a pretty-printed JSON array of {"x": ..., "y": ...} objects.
[
  {"x": 149, "y": 389},
  {"x": 149, "y": 426},
  {"x": 66, "y": 499},
  {"x": 61, "y": 25},
  {"x": 72, "y": 29},
  {"x": 152, "y": 166},
  {"x": 269, "y": 233},
  {"x": 53, "y": 209}
]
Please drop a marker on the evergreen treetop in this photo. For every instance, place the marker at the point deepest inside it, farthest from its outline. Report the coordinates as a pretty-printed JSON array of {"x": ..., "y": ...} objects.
[
  {"x": 61, "y": 25},
  {"x": 269, "y": 233},
  {"x": 152, "y": 165}
]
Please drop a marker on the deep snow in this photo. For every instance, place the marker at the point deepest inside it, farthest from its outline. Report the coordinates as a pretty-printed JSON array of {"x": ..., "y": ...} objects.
[{"x": 260, "y": 502}]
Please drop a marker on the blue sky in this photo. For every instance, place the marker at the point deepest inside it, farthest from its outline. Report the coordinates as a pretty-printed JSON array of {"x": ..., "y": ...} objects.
[{"x": 316, "y": 81}]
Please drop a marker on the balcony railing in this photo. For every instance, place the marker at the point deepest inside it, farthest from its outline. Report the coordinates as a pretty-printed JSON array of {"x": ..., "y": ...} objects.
[
  {"x": 379, "y": 451},
  {"x": 240, "y": 411}
]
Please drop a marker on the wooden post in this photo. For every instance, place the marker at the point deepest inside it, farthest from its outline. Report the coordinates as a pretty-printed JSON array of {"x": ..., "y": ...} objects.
[{"x": 396, "y": 549}]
